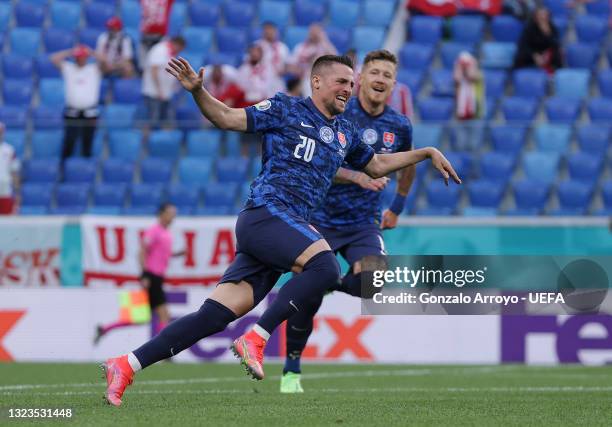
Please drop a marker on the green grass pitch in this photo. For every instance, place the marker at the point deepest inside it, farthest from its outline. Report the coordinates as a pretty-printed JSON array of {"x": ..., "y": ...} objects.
[{"x": 341, "y": 394}]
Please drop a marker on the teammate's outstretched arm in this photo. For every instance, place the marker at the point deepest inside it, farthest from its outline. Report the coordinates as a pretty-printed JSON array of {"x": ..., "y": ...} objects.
[
  {"x": 214, "y": 110},
  {"x": 384, "y": 164}
]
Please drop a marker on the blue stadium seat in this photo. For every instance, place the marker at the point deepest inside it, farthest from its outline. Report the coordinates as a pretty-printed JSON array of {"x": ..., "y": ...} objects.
[
  {"x": 146, "y": 210},
  {"x": 130, "y": 14},
  {"x": 378, "y": 13},
  {"x": 593, "y": 139},
  {"x": 495, "y": 83},
  {"x": 165, "y": 143},
  {"x": 78, "y": 169},
  {"x": 36, "y": 195},
  {"x": 233, "y": 59},
  {"x": 295, "y": 35},
  {"x": 541, "y": 166},
  {"x": 155, "y": 170},
  {"x": 214, "y": 210},
  {"x": 476, "y": 211},
  {"x": 188, "y": 116},
  {"x": 184, "y": 197},
  {"x": 28, "y": 14},
  {"x": 506, "y": 28},
  {"x": 508, "y": 138},
  {"x": 574, "y": 196},
  {"x": 109, "y": 195},
  {"x": 232, "y": 169},
  {"x": 117, "y": 171},
  {"x": 530, "y": 83},
  {"x": 449, "y": 52},
  {"x": 368, "y": 38},
  {"x": 178, "y": 16},
  {"x": 416, "y": 56},
  {"x": 584, "y": 167},
  {"x": 16, "y": 66},
  {"x": 604, "y": 81},
  {"x": 71, "y": 198},
  {"x": 572, "y": 83},
  {"x": 125, "y": 144},
  {"x": 51, "y": 92},
  {"x": 231, "y": 40},
  {"x": 425, "y": 29},
  {"x": 127, "y": 91},
  {"x": 530, "y": 195},
  {"x": 203, "y": 14},
  {"x": 239, "y": 13},
  {"x": 16, "y": 138},
  {"x": 5, "y": 15},
  {"x": 146, "y": 194},
  {"x": 600, "y": 109},
  {"x": 442, "y": 82},
  {"x": 65, "y": 15},
  {"x": 198, "y": 39},
  {"x": 562, "y": 110},
  {"x": 467, "y": 28},
  {"x": 47, "y": 117},
  {"x": 497, "y": 54},
  {"x": 412, "y": 79},
  {"x": 591, "y": 29},
  {"x": 45, "y": 68},
  {"x": 117, "y": 116},
  {"x": 426, "y": 135},
  {"x": 203, "y": 143},
  {"x": 17, "y": 91},
  {"x": 557, "y": 8},
  {"x": 343, "y": 14},
  {"x": 55, "y": 39},
  {"x": 97, "y": 13},
  {"x": 498, "y": 167},
  {"x": 442, "y": 196},
  {"x": 220, "y": 194},
  {"x": 519, "y": 109},
  {"x": 232, "y": 144},
  {"x": 340, "y": 38},
  {"x": 89, "y": 36},
  {"x": 581, "y": 55},
  {"x": 45, "y": 171},
  {"x": 435, "y": 109},
  {"x": 552, "y": 138},
  {"x": 562, "y": 24},
  {"x": 277, "y": 12},
  {"x": 25, "y": 41},
  {"x": 599, "y": 8},
  {"x": 13, "y": 117},
  {"x": 486, "y": 194},
  {"x": 192, "y": 170},
  {"x": 606, "y": 194},
  {"x": 46, "y": 144}
]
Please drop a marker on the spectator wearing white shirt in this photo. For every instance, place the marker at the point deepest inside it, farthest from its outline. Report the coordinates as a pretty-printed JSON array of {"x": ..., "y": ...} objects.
[
  {"x": 116, "y": 47},
  {"x": 158, "y": 86},
  {"x": 9, "y": 176},
  {"x": 275, "y": 54},
  {"x": 255, "y": 77},
  {"x": 82, "y": 80},
  {"x": 221, "y": 78}
]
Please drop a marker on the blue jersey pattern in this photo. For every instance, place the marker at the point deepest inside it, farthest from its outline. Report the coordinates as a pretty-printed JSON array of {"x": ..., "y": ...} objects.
[
  {"x": 349, "y": 205},
  {"x": 302, "y": 151}
]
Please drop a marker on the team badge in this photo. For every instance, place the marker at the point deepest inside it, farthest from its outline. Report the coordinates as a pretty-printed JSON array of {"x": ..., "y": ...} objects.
[
  {"x": 370, "y": 136},
  {"x": 326, "y": 134},
  {"x": 342, "y": 139},
  {"x": 263, "y": 105},
  {"x": 388, "y": 139}
]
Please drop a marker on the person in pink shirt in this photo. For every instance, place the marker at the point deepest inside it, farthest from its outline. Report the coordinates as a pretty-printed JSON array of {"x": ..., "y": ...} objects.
[{"x": 154, "y": 256}]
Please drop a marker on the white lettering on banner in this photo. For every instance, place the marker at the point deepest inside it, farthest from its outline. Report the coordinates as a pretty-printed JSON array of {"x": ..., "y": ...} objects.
[{"x": 111, "y": 246}]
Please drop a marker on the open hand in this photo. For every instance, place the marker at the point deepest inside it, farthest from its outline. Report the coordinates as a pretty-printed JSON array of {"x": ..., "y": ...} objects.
[
  {"x": 443, "y": 166},
  {"x": 185, "y": 74}
]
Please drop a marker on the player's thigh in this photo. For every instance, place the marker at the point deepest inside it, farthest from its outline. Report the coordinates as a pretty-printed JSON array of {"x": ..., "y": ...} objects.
[{"x": 366, "y": 252}]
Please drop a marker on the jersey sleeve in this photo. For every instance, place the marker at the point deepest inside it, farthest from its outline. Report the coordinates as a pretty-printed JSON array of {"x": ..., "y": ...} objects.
[
  {"x": 359, "y": 154},
  {"x": 268, "y": 114}
]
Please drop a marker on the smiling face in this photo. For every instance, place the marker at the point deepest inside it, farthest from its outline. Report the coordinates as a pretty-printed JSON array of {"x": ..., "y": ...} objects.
[
  {"x": 377, "y": 80},
  {"x": 332, "y": 85}
]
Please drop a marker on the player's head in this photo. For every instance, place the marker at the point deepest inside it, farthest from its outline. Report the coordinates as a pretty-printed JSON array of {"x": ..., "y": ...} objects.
[
  {"x": 377, "y": 76},
  {"x": 270, "y": 32},
  {"x": 81, "y": 54},
  {"x": 331, "y": 80},
  {"x": 178, "y": 44},
  {"x": 166, "y": 213},
  {"x": 254, "y": 54},
  {"x": 315, "y": 33}
]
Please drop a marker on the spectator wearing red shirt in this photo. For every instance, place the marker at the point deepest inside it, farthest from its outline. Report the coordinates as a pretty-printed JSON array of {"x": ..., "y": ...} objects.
[{"x": 154, "y": 20}]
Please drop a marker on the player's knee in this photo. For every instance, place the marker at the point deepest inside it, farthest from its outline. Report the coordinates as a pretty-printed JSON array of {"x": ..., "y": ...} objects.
[
  {"x": 374, "y": 263},
  {"x": 216, "y": 315},
  {"x": 326, "y": 265},
  {"x": 370, "y": 264}
]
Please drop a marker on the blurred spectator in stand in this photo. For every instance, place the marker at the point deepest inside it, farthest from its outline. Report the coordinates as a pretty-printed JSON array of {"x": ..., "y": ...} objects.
[
  {"x": 401, "y": 100},
  {"x": 469, "y": 101},
  {"x": 294, "y": 87},
  {"x": 520, "y": 9},
  {"x": 275, "y": 54},
  {"x": 304, "y": 54},
  {"x": 155, "y": 17},
  {"x": 218, "y": 78},
  {"x": 82, "y": 80},
  {"x": 9, "y": 177},
  {"x": 539, "y": 43},
  {"x": 116, "y": 47},
  {"x": 158, "y": 86},
  {"x": 253, "y": 81}
]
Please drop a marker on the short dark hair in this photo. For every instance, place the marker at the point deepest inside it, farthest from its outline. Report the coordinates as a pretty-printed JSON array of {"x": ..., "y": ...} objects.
[
  {"x": 163, "y": 207},
  {"x": 327, "y": 60},
  {"x": 179, "y": 40},
  {"x": 380, "y": 55}
]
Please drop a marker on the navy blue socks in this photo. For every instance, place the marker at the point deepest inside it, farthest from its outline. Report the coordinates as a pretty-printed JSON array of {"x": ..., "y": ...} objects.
[{"x": 299, "y": 328}]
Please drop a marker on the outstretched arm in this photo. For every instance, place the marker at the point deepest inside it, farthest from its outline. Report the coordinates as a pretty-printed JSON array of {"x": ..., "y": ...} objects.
[{"x": 214, "y": 110}]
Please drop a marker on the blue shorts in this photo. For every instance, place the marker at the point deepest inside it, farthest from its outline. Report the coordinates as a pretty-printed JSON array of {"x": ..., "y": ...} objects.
[
  {"x": 269, "y": 240},
  {"x": 353, "y": 244}
]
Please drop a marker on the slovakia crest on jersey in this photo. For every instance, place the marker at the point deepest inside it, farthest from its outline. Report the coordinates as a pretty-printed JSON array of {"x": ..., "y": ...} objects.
[
  {"x": 388, "y": 139},
  {"x": 342, "y": 139}
]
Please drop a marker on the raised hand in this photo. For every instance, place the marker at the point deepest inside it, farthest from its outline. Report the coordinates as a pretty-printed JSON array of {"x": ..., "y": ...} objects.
[
  {"x": 185, "y": 74},
  {"x": 443, "y": 166}
]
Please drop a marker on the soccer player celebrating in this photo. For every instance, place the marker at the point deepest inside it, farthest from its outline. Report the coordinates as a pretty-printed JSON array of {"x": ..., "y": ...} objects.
[
  {"x": 350, "y": 217},
  {"x": 304, "y": 144}
]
